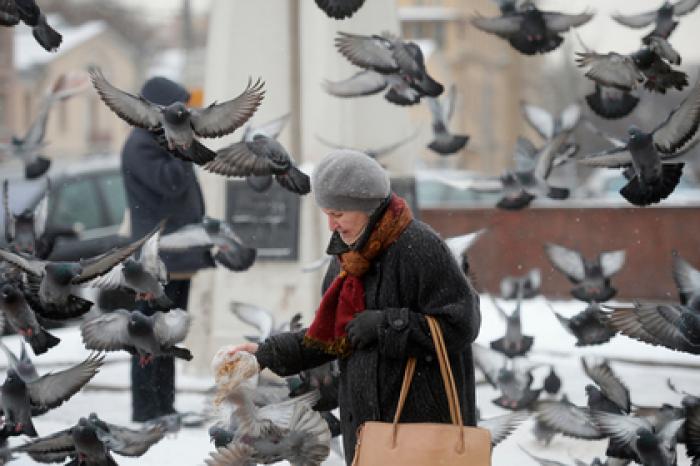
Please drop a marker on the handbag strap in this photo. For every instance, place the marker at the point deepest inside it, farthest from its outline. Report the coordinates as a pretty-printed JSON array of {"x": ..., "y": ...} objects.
[{"x": 447, "y": 379}]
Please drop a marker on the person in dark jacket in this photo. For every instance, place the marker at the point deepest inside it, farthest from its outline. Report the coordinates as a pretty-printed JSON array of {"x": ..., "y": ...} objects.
[
  {"x": 389, "y": 271},
  {"x": 160, "y": 186}
]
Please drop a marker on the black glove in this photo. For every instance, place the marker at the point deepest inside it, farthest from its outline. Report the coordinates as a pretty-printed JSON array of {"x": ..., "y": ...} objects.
[{"x": 363, "y": 329}]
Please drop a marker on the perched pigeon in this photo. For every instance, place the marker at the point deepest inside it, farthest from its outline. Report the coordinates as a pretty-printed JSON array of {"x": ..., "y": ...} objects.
[
  {"x": 687, "y": 280},
  {"x": 289, "y": 430},
  {"x": 650, "y": 66},
  {"x": 24, "y": 367},
  {"x": 460, "y": 245},
  {"x": 662, "y": 18},
  {"x": 23, "y": 320},
  {"x": 611, "y": 103},
  {"x": 263, "y": 320},
  {"x": 388, "y": 61},
  {"x": 58, "y": 280},
  {"x": 260, "y": 156},
  {"x": 140, "y": 334},
  {"x": 530, "y": 30},
  {"x": 651, "y": 160},
  {"x": 590, "y": 326},
  {"x": 29, "y": 147},
  {"x": 23, "y": 399},
  {"x": 591, "y": 278},
  {"x": 180, "y": 122},
  {"x": 27, "y": 11},
  {"x": 228, "y": 249},
  {"x": 339, "y": 9},
  {"x": 444, "y": 142},
  {"x": 548, "y": 125},
  {"x": 513, "y": 343},
  {"x": 91, "y": 441},
  {"x": 145, "y": 275},
  {"x": 374, "y": 152},
  {"x": 527, "y": 284}
]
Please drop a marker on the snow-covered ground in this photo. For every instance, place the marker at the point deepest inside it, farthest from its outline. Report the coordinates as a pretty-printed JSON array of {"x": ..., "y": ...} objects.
[{"x": 108, "y": 395}]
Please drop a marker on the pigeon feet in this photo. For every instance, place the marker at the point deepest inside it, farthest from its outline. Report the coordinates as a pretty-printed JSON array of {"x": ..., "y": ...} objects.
[
  {"x": 145, "y": 360},
  {"x": 26, "y": 332}
]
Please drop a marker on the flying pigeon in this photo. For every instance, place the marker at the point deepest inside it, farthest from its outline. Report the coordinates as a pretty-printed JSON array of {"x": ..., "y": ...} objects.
[
  {"x": 460, "y": 245},
  {"x": 444, "y": 142},
  {"x": 591, "y": 278},
  {"x": 548, "y": 125},
  {"x": 530, "y": 30},
  {"x": 263, "y": 320},
  {"x": 687, "y": 279},
  {"x": 388, "y": 62},
  {"x": 514, "y": 343},
  {"x": 180, "y": 122},
  {"x": 272, "y": 129},
  {"x": 339, "y": 9},
  {"x": 23, "y": 320},
  {"x": 552, "y": 383},
  {"x": 24, "y": 367},
  {"x": 500, "y": 427},
  {"x": 590, "y": 326},
  {"x": 611, "y": 103},
  {"x": 23, "y": 230},
  {"x": 23, "y": 399},
  {"x": 27, "y": 11},
  {"x": 373, "y": 152},
  {"x": 228, "y": 249},
  {"x": 615, "y": 393},
  {"x": 651, "y": 160},
  {"x": 662, "y": 18},
  {"x": 527, "y": 284},
  {"x": 147, "y": 336}
]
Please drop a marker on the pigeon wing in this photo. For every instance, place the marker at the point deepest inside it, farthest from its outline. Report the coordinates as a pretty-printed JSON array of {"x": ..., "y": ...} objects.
[
  {"x": 107, "y": 332},
  {"x": 611, "y": 262},
  {"x": 663, "y": 48},
  {"x": 459, "y": 244},
  {"x": 559, "y": 22},
  {"x": 185, "y": 238},
  {"x": 220, "y": 119},
  {"x": 681, "y": 125},
  {"x": 567, "y": 261},
  {"x": 28, "y": 264},
  {"x": 366, "y": 82},
  {"x": 683, "y": 7},
  {"x": 380, "y": 151},
  {"x": 369, "y": 52},
  {"x": 171, "y": 327},
  {"x": 612, "y": 70},
  {"x": 130, "y": 442},
  {"x": 609, "y": 383},
  {"x": 150, "y": 258},
  {"x": 112, "y": 280},
  {"x": 568, "y": 419},
  {"x": 570, "y": 117},
  {"x": 617, "y": 157},
  {"x": 540, "y": 119},
  {"x": 52, "y": 389},
  {"x": 503, "y": 26},
  {"x": 233, "y": 454},
  {"x": 686, "y": 276},
  {"x": 136, "y": 111},
  {"x": 239, "y": 160},
  {"x": 619, "y": 427},
  {"x": 501, "y": 427},
  {"x": 53, "y": 448},
  {"x": 257, "y": 317},
  {"x": 272, "y": 128},
  {"x": 637, "y": 21}
]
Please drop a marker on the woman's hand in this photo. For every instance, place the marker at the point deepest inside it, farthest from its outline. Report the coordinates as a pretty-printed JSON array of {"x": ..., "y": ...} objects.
[
  {"x": 248, "y": 347},
  {"x": 363, "y": 329}
]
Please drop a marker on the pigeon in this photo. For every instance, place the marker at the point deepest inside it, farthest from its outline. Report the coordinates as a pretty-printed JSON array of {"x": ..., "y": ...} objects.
[
  {"x": 530, "y": 30},
  {"x": 325, "y": 379},
  {"x": 552, "y": 383},
  {"x": 145, "y": 275},
  {"x": 547, "y": 125},
  {"x": 651, "y": 159},
  {"x": 388, "y": 62},
  {"x": 561, "y": 416},
  {"x": 228, "y": 249},
  {"x": 22, "y": 231},
  {"x": 673, "y": 326},
  {"x": 91, "y": 441},
  {"x": 611, "y": 388},
  {"x": 339, "y": 9},
  {"x": 27, "y": 11},
  {"x": 611, "y": 103},
  {"x": 373, "y": 152},
  {"x": 180, "y": 122},
  {"x": 590, "y": 326},
  {"x": 650, "y": 66},
  {"x": 29, "y": 147},
  {"x": 23, "y": 399},
  {"x": 24, "y": 367},
  {"x": 460, "y": 245},
  {"x": 22, "y": 319},
  {"x": 289, "y": 430},
  {"x": 59, "y": 279},
  {"x": 687, "y": 279},
  {"x": 147, "y": 336},
  {"x": 513, "y": 343},
  {"x": 272, "y": 129},
  {"x": 500, "y": 427},
  {"x": 528, "y": 285},
  {"x": 263, "y": 320},
  {"x": 662, "y": 18},
  {"x": 444, "y": 142},
  {"x": 591, "y": 278},
  {"x": 260, "y": 156}
]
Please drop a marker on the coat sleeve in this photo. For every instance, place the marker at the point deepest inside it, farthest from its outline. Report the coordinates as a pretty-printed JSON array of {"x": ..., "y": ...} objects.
[
  {"x": 285, "y": 353},
  {"x": 433, "y": 284}
]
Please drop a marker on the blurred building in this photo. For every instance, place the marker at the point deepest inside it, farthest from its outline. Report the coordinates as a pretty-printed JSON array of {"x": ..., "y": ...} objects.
[
  {"x": 6, "y": 79},
  {"x": 82, "y": 125}
]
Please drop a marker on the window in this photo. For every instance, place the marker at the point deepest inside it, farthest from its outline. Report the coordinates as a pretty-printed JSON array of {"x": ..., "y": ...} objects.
[
  {"x": 112, "y": 187},
  {"x": 77, "y": 204}
]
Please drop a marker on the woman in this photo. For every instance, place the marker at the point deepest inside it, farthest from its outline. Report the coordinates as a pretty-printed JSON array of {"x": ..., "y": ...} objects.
[{"x": 389, "y": 270}]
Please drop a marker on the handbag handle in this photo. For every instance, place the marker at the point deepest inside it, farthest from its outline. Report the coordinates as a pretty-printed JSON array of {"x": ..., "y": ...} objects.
[{"x": 447, "y": 379}]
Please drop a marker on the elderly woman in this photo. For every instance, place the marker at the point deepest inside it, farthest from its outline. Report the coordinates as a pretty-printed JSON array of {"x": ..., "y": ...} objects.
[{"x": 388, "y": 272}]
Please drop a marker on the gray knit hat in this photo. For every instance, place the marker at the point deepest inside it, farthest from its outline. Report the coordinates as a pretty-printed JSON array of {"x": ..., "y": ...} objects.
[{"x": 350, "y": 180}]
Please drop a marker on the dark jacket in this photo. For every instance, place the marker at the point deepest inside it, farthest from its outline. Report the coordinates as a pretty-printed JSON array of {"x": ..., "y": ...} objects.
[
  {"x": 159, "y": 186},
  {"x": 414, "y": 276}
]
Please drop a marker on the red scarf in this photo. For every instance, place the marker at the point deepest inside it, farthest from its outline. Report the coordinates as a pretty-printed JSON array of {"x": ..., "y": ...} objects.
[{"x": 345, "y": 297}]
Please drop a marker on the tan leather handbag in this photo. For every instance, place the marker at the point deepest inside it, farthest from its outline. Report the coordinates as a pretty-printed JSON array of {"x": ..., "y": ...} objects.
[{"x": 424, "y": 444}]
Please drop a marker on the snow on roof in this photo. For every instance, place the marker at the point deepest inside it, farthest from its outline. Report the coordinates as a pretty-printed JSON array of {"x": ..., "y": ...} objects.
[
  {"x": 427, "y": 13},
  {"x": 28, "y": 53}
]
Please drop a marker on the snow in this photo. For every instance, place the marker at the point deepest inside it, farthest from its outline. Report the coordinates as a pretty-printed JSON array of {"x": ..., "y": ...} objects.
[{"x": 108, "y": 395}]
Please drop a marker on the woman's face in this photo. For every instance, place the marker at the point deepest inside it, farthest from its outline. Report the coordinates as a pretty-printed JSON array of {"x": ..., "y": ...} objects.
[{"x": 348, "y": 223}]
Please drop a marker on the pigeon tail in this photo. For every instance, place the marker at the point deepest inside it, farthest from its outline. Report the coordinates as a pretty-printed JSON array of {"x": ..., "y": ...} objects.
[
  {"x": 450, "y": 145},
  {"x": 400, "y": 99},
  {"x": 643, "y": 195},
  {"x": 41, "y": 341},
  {"x": 510, "y": 352},
  {"x": 664, "y": 81},
  {"x": 182, "y": 353},
  {"x": 558, "y": 193},
  {"x": 611, "y": 108},
  {"x": 46, "y": 35},
  {"x": 518, "y": 202},
  {"x": 429, "y": 86},
  {"x": 295, "y": 181},
  {"x": 259, "y": 184},
  {"x": 74, "y": 307},
  {"x": 521, "y": 44},
  {"x": 37, "y": 168},
  {"x": 197, "y": 153}
]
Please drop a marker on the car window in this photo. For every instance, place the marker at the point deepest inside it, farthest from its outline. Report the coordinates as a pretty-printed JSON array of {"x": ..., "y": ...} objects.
[
  {"x": 112, "y": 187},
  {"x": 77, "y": 202}
]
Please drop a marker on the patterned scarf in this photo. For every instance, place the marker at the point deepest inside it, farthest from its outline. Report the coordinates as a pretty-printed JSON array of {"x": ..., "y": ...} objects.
[{"x": 345, "y": 297}]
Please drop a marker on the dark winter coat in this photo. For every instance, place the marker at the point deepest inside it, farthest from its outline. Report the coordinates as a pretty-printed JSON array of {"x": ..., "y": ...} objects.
[
  {"x": 414, "y": 276},
  {"x": 159, "y": 186}
]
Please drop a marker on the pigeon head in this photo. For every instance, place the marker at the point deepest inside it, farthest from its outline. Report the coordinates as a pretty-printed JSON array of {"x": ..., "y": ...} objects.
[
  {"x": 211, "y": 225},
  {"x": 176, "y": 114},
  {"x": 9, "y": 293},
  {"x": 646, "y": 440},
  {"x": 63, "y": 272},
  {"x": 132, "y": 267},
  {"x": 637, "y": 137},
  {"x": 84, "y": 436},
  {"x": 139, "y": 324},
  {"x": 13, "y": 382},
  {"x": 221, "y": 437}
]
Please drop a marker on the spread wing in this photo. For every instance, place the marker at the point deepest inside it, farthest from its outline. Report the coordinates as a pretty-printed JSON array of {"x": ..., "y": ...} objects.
[
  {"x": 679, "y": 129},
  {"x": 52, "y": 389},
  {"x": 366, "y": 82},
  {"x": 503, "y": 26},
  {"x": 107, "y": 332},
  {"x": 540, "y": 119},
  {"x": 112, "y": 280},
  {"x": 683, "y": 7},
  {"x": 186, "y": 237},
  {"x": 612, "y": 69},
  {"x": 609, "y": 383},
  {"x": 567, "y": 261},
  {"x": 611, "y": 262},
  {"x": 616, "y": 157},
  {"x": 239, "y": 160},
  {"x": 370, "y": 52},
  {"x": 686, "y": 276},
  {"x": 560, "y": 22},
  {"x": 640, "y": 20},
  {"x": 171, "y": 327},
  {"x": 28, "y": 264},
  {"x": 220, "y": 119}
]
